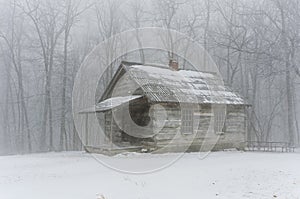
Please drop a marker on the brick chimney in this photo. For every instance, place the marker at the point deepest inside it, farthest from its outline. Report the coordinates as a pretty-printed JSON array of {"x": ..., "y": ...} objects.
[{"x": 173, "y": 64}]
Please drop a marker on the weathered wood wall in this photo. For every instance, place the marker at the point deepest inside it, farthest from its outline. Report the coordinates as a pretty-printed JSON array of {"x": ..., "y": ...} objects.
[
  {"x": 170, "y": 134},
  {"x": 234, "y": 130}
]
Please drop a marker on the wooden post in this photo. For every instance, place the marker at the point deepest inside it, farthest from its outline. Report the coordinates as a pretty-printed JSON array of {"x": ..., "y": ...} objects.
[
  {"x": 86, "y": 129},
  {"x": 247, "y": 135},
  {"x": 111, "y": 130}
]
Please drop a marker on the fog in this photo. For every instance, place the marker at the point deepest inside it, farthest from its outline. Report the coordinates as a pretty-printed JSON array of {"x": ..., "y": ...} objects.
[{"x": 255, "y": 45}]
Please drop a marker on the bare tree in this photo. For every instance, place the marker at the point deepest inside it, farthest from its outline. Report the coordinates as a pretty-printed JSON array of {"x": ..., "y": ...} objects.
[
  {"x": 71, "y": 13},
  {"x": 45, "y": 17},
  {"x": 14, "y": 44}
]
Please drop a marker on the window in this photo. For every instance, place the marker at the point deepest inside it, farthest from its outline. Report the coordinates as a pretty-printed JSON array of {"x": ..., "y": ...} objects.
[
  {"x": 219, "y": 118},
  {"x": 187, "y": 121}
]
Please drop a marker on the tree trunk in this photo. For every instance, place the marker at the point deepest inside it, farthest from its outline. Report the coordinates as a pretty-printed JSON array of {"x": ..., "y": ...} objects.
[
  {"x": 289, "y": 94},
  {"x": 63, "y": 133}
]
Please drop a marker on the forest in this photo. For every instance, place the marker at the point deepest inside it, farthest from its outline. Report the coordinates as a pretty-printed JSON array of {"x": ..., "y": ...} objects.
[{"x": 255, "y": 44}]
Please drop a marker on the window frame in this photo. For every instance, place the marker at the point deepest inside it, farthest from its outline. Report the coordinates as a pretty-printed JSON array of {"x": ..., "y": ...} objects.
[
  {"x": 187, "y": 121},
  {"x": 220, "y": 116}
]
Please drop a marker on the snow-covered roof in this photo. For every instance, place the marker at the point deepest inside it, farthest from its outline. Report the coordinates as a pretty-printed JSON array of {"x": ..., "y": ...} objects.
[
  {"x": 110, "y": 104},
  {"x": 161, "y": 84}
]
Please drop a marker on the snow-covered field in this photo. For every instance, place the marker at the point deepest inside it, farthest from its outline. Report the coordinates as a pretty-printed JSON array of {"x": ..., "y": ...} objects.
[{"x": 77, "y": 175}]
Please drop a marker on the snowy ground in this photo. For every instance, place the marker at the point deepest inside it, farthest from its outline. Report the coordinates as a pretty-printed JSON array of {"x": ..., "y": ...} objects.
[{"x": 77, "y": 175}]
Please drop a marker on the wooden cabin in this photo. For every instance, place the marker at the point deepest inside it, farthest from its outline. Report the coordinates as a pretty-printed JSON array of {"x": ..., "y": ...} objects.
[{"x": 162, "y": 108}]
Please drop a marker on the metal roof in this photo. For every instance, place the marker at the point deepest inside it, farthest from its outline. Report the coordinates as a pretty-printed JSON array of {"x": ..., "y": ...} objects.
[
  {"x": 110, "y": 104},
  {"x": 161, "y": 84}
]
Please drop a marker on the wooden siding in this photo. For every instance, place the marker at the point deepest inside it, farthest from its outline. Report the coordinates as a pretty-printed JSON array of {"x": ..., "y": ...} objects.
[{"x": 233, "y": 137}]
